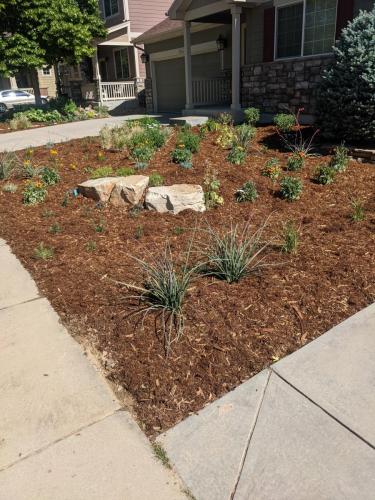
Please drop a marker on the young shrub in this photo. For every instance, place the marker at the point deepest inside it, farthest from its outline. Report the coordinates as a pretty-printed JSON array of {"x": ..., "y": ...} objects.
[
  {"x": 243, "y": 135},
  {"x": 248, "y": 192},
  {"x": 55, "y": 228},
  {"x": 100, "y": 172},
  {"x": 295, "y": 162},
  {"x": 155, "y": 180},
  {"x": 20, "y": 122},
  {"x": 157, "y": 136},
  {"x": 182, "y": 156},
  {"x": 105, "y": 136},
  {"x": 291, "y": 188},
  {"x": 252, "y": 116},
  {"x": 284, "y": 122},
  {"x": 225, "y": 119},
  {"x": 142, "y": 155},
  {"x": 10, "y": 165},
  {"x": 34, "y": 193},
  {"x": 346, "y": 97},
  {"x": 125, "y": 171},
  {"x": 43, "y": 252},
  {"x": 90, "y": 246},
  {"x": 225, "y": 138},
  {"x": 358, "y": 210},
  {"x": 49, "y": 176},
  {"x": 290, "y": 237},
  {"x": 324, "y": 174},
  {"x": 237, "y": 155},
  {"x": 233, "y": 254},
  {"x": 211, "y": 189},
  {"x": 189, "y": 140},
  {"x": 10, "y": 187},
  {"x": 272, "y": 169},
  {"x": 211, "y": 125},
  {"x": 340, "y": 159}
]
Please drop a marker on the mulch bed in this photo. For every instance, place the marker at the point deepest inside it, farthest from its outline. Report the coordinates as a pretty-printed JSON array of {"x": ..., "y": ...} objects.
[{"x": 232, "y": 330}]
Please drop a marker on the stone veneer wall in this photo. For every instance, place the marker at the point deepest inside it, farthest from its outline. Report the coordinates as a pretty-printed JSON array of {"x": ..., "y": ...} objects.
[
  {"x": 281, "y": 85},
  {"x": 148, "y": 96}
]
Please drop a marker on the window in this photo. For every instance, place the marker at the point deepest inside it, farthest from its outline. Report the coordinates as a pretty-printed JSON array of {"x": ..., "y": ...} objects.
[
  {"x": 305, "y": 28},
  {"x": 46, "y": 71},
  {"x": 110, "y": 8},
  {"x": 122, "y": 64}
]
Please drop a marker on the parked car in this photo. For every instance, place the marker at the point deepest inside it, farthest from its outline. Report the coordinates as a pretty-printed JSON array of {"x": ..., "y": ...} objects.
[{"x": 13, "y": 97}]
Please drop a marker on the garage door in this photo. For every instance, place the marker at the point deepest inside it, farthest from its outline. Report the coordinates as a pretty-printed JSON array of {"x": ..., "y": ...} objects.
[{"x": 170, "y": 85}]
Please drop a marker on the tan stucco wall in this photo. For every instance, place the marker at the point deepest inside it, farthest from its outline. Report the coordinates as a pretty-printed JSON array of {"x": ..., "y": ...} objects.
[{"x": 48, "y": 82}]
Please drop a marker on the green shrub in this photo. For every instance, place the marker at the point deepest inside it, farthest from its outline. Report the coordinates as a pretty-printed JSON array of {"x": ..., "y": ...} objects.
[
  {"x": 43, "y": 252},
  {"x": 358, "y": 210},
  {"x": 324, "y": 174},
  {"x": 34, "y": 193},
  {"x": 10, "y": 165},
  {"x": 19, "y": 122},
  {"x": 70, "y": 108},
  {"x": 49, "y": 176},
  {"x": 291, "y": 188},
  {"x": 211, "y": 125},
  {"x": 248, "y": 192},
  {"x": 252, "y": 116},
  {"x": 212, "y": 189},
  {"x": 340, "y": 159},
  {"x": 290, "y": 237},
  {"x": 182, "y": 156},
  {"x": 285, "y": 122},
  {"x": 225, "y": 119},
  {"x": 272, "y": 169},
  {"x": 189, "y": 140},
  {"x": 243, "y": 135},
  {"x": 142, "y": 154},
  {"x": 156, "y": 137},
  {"x": 237, "y": 155},
  {"x": 155, "y": 180},
  {"x": 125, "y": 171},
  {"x": 55, "y": 228},
  {"x": 346, "y": 97},
  {"x": 100, "y": 172},
  {"x": 295, "y": 162}
]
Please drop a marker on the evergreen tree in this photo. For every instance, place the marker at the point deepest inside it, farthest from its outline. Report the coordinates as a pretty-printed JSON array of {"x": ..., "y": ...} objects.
[
  {"x": 346, "y": 97},
  {"x": 36, "y": 33}
]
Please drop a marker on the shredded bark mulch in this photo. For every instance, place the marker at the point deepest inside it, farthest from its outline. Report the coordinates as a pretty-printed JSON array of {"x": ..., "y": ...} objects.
[{"x": 232, "y": 331}]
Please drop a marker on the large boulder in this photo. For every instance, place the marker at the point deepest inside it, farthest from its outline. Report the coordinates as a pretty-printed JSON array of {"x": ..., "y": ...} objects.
[
  {"x": 98, "y": 189},
  {"x": 175, "y": 198},
  {"x": 129, "y": 190}
]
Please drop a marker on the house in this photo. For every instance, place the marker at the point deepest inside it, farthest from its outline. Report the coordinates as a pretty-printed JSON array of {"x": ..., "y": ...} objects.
[
  {"x": 115, "y": 74},
  {"x": 46, "y": 77},
  {"x": 211, "y": 55}
]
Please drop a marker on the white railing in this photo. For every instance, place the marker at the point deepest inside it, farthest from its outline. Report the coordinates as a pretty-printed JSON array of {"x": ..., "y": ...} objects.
[
  {"x": 29, "y": 90},
  {"x": 117, "y": 91},
  {"x": 211, "y": 91}
]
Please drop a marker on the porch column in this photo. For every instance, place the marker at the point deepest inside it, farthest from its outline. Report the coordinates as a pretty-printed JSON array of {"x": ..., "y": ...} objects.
[
  {"x": 13, "y": 82},
  {"x": 187, "y": 51},
  {"x": 236, "y": 57}
]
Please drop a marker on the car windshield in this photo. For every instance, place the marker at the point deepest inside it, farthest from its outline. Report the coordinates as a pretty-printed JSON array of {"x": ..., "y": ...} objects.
[{"x": 21, "y": 93}]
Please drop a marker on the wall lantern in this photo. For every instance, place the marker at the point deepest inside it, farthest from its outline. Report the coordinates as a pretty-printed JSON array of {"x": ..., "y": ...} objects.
[
  {"x": 221, "y": 43},
  {"x": 145, "y": 57}
]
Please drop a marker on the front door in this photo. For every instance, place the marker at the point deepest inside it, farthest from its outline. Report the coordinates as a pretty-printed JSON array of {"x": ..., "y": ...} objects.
[{"x": 103, "y": 70}]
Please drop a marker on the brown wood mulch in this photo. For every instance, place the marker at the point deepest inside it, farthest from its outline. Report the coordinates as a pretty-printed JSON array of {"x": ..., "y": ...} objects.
[{"x": 232, "y": 331}]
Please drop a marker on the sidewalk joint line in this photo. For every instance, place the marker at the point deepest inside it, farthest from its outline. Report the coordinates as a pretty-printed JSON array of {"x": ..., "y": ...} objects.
[
  {"x": 248, "y": 441},
  {"x": 324, "y": 410},
  {"x": 21, "y": 303}
]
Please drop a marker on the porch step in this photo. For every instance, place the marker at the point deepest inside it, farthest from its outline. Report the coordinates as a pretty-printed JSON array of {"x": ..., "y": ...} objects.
[{"x": 193, "y": 121}]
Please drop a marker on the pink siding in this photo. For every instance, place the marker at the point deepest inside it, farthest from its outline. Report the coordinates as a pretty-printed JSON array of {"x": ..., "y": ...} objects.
[{"x": 144, "y": 14}]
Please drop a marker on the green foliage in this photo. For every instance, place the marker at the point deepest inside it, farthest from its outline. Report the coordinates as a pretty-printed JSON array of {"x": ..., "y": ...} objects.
[
  {"x": 233, "y": 254},
  {"x": 346, "y": 98},
  {"x": 155, "y": 180},
  {"x": 284, "y": 122},
  {"x": 139, "y": 232},
  {"x": 237, "y": 155},
  {"x": 43, "y": 252},
  {"x": 49, "y": 176},
  {"x": 225, "y": 119},
  {"x": 99, "y": 172},
  {"x": 38, "y": 115},
  {"x": 90, "y": 246},
  {"x": 272, "y": 169},
  {"x": 211, "y": 125},
  {"x": 10, "y": 165},
  {"x": 340, "y": 159},
  {"x": 9, "y": 187},
  {"x": 252, "y": 116},
  {"x": 189, "y": 140},
  {"x": 34, "y": 193},
  {"x": 248, "y": 192},
  {"x": 142, "y": 154},
  {"x": 358, "y": 210},
  {"x": 161, "y": 454},
  {"x": 146, "y": 121},
  {"x": 20, "y": 122},
  {"x": 295, "y": 162},
  {"x": 156, "y": 137},
  {"x": 55, "y": 228},
  {"x": 243, "y": 135},
  {"x": 324, "y": 174},
  {"x": 125, "y": 171},
  {"x": 290, "y": 237},
  {"x": 182, "y": 156},
  {"x": 99, "y": 226},
  {"x": 178, "y": 230},
  {"x": 291, "y": 188},
  {"x": 212, "y": 189}
]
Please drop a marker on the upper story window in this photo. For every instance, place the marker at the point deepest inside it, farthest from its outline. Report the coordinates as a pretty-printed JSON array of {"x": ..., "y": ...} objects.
[
  {"x": 110, "y": 7},
  {"x": 305, "y": 28},
  {"x": 46, "y": 71}
]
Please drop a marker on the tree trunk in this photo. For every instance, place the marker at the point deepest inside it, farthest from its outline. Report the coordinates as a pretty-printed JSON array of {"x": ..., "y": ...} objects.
[
  {"x": 35, "y": 85},
  {"x": 58, "y": 80}
]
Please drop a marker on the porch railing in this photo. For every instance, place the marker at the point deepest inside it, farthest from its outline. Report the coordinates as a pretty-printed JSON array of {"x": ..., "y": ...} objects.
[
  {"x": 209, "y": 91},
  {"x": 117, "y": 91}
]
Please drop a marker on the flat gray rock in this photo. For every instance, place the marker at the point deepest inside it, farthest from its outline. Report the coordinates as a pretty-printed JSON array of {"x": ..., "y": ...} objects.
[
  {"x": 298, "y": 452},
  {"x": 109, "y": 460},
  {"x": 48, "y": 389},
  {"x": 337, "y": 371},
  {"x": 19, "y": 285},
  {"x": 129, "y": 190},
  {"x": 175, "y": 198},
  {"x": 206, "y": 449}
]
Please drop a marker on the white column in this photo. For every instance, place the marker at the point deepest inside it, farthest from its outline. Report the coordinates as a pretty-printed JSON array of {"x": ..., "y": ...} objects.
[
  {"x": 236, "y": 58},
  {"x": 13, "y": 82},
  {"x": 136, "y": 62},
  {"x": 188, "y": 78}
]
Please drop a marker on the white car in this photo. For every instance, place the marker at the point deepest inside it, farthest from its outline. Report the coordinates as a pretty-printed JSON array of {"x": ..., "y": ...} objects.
[{"x": 13, "y": 97}]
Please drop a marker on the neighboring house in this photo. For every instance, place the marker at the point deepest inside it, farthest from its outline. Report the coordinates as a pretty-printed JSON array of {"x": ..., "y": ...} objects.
[
  {"x": 115, "y": 73},
  {"x": 270, "y": 54},
  {"x": 47, "y": 82}
]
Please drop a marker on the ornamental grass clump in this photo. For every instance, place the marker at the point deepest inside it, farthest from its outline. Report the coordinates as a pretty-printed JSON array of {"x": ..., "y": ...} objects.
[
  {"x": 295, "y": 162},
  {"x": 290, "y": 237},
  {"x": 358, "y": 210},
  {"x": 10, "y": 165},
  {"x": 291, "y": 188},
  {"x": 233, "y": 254},
  {"x": 43, "y": 252},
  {"x": 248, "y": 192},
  {"x": 324, "y": 174}
]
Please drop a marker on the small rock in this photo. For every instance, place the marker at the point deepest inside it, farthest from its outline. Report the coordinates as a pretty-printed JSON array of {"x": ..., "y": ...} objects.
[
  {"x": 176, "y": 198},
  {"x": 129, "y": 190},
  {"x": 98, "y": 189}
]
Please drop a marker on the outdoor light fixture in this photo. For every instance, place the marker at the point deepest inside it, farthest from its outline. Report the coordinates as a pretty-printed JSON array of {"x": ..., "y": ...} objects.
[
  {"x": 145, "y": 57},
  {"x": 221, "y": 43}
]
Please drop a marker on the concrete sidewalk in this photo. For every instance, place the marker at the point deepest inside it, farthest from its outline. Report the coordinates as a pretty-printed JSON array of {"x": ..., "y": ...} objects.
[
  {"x": 15, "y": 141},
  {"x": 302, "y": 430},
  {"x": 63, "y": 434}
]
